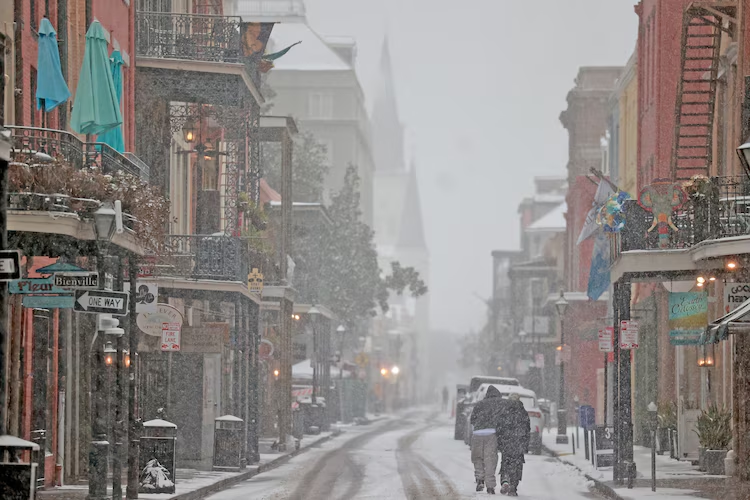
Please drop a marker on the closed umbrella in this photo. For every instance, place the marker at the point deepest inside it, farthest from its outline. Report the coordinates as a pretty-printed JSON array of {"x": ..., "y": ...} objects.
[
  {"x": 96, "y": 108},
  {"x": 113, "y": 136},
  {"x": 51, "y": 89}
]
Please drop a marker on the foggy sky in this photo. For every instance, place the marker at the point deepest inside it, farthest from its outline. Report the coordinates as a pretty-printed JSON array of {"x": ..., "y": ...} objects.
[{"x": 480, "y": 84}]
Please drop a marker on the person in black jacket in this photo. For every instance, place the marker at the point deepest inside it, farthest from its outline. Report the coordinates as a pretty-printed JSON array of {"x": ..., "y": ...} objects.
[
  {"x": 485, "y": 420},
  {"x": 513, "y": 442}
]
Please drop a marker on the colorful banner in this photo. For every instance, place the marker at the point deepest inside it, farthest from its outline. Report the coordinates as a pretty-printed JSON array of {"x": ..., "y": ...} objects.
[{"x": 688, "y": 317}]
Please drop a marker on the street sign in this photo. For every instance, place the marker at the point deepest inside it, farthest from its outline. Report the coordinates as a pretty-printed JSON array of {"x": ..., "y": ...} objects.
[
  {"x": 101, "y": 301},
  {"x": 88, "y": 280},
  {"x": 48, "y": 301},
  {"x": 539, "y": 360},
  {"x": 255, "y": 281},
  {"x": 146, "y": 296},
  {"x": 150, "y": 323},
  {"x": 606, "y": 339},
  {"x": 628, "y": 334},
  {"x": 170, "y": 336},
  {"x": 604, "y": 447},
  {"x": 10, "y": 265}
]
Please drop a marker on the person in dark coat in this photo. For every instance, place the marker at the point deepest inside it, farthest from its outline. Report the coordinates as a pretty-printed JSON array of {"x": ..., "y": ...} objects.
[
  {"x": 513, "y": 442},
  {"x": 486, "y": 418}
]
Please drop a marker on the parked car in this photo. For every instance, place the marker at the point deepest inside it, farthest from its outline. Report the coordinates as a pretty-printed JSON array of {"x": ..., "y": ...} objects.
[
  {"x": 478, "y": 380},
  {"x": 528, "y": 398}
]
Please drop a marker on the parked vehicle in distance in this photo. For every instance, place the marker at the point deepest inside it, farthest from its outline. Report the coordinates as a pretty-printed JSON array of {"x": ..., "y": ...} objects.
[
  {"x": 462, "y": 391},
  {"x": 528, "y": 398},
  {"x": 478, "y": 380}
]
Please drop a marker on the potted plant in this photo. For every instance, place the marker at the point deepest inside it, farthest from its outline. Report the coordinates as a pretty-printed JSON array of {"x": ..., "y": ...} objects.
[
  {"x": 714, "y": 432},
  {"x": 667, "y": 416}
]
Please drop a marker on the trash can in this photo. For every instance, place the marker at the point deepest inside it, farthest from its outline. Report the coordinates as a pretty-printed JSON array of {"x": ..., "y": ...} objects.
[
  {"x": 17, "y": 477},
  {"x": 157, "y": 458},
  {"x": 229, "y": 443}
]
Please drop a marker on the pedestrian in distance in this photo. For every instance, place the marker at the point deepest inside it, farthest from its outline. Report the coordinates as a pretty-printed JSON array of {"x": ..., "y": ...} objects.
[
  {"x": 513, "y": 442},
  {"x": 485, "y": 420},
  {"x": 445, "y": 399}
]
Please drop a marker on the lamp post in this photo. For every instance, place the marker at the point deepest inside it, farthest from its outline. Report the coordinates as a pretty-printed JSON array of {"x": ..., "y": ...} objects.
[
  {"x": 104, "y": 226},
  {"x": 561, "y": 305},
  {"x": 341, "y": 330},
  {"x": 314, "y": 312},
  {"x": 654, "y": 420}
]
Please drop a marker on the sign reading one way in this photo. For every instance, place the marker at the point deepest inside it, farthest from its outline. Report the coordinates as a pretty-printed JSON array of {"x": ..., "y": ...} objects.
[{"x": 101, "y": 301}]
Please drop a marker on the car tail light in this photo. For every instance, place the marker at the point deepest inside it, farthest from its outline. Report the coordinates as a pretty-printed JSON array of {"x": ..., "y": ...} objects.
[{"x": 535, "y": 414}]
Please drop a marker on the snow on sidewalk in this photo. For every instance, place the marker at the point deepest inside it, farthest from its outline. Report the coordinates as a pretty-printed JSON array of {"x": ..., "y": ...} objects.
[{"x": 675, "y": 471}]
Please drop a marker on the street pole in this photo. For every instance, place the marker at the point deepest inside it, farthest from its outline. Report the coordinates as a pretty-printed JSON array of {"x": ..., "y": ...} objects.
[
  {"x": 4, "y": 337},
  {"x": 99, "y": 447},
  {"x": 117, "y": 429},
  {"x": 626, "y": 423},
  {"x": 134, "y": 443},
  {"x": 562, "y": 421},
  {"x": 616, "y": 382}
]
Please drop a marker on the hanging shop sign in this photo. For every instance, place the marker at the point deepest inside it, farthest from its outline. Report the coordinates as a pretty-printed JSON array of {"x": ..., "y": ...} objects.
[
  {"x": 255, "y": 281},
  {"x": 170, "y": 336},
  {"x": 606, "y": 337},
  {"x": 688, "y": 317},
  {"x": 628, "y": 334},
  {"x": 147, "y": 294},
  {"x": 151, "y": 323},
  {"x": 36, "y": 286},
  {"x": 734, "y": 295},
  {"x": 48, "y": 301}
]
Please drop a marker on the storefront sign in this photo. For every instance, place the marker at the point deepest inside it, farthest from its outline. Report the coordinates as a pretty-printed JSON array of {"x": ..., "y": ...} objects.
[
  {"x": 205, "y": 338},
  {"x": 147, "y": 294},
  {"x": 606, "y": 339},
  {"x": 628, "y": 334},
  {"x": 170, "y": 337},
  {"x": 734, "y": 295},
  {"x": 36, "y": 286},
  {"x": 48, "y": 301},
  {"x": 688, "y": 317},
  {"x": 151, "y": 323}
]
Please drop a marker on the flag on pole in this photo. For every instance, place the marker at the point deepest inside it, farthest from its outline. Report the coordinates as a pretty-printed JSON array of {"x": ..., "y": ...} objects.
[
  {"x": 599, "y": 277},
  {"x": 603, "y": 192}
]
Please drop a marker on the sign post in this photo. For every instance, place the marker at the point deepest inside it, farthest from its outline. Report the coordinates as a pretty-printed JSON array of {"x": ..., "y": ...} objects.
[{"x": 101, "y": 301}]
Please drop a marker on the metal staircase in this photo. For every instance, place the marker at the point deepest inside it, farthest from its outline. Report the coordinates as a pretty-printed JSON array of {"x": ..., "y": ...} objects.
[{"x": 703, "y": 26}]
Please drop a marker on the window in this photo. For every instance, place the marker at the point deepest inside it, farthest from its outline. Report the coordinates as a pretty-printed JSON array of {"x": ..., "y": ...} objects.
[{"x": 320, "y": 105}]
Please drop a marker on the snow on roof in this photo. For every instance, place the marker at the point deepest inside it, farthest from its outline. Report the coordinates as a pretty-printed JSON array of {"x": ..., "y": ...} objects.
[
  {"x": 313, "y": 54},
  {"x": 554, "y": 220}
]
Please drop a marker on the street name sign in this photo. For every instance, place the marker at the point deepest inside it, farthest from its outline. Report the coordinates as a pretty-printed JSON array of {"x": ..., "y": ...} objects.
[
  {"x": 628, "y": 334},
  {"x": 88, "y": 280},
  {"x": 10, "y": 265},
  {"x": 101, "y": 301}
]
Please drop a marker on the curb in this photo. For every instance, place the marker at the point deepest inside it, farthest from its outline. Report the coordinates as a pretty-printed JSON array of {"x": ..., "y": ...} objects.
[
  {"x": 228, "y": 482},
  {"x": 600, "y": 487}
]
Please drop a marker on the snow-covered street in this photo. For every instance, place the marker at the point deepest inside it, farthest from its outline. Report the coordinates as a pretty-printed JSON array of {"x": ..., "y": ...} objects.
[{"x": 412, "y": 456}]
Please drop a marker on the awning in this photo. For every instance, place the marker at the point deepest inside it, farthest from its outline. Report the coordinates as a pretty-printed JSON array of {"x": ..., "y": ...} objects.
[{"x": 738, "y": 320}]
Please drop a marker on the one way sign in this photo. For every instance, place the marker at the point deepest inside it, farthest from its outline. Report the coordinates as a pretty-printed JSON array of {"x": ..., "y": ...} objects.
[{"x": 101, "y": 301}]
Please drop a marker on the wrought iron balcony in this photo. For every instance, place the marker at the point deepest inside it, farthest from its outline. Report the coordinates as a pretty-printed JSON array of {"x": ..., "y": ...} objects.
[
  {"x": 194, "y": 37},
  {"x": 720, "y": 208},
  {"x": 212, "y": 257},
  {"x": 31, "y": 144}
]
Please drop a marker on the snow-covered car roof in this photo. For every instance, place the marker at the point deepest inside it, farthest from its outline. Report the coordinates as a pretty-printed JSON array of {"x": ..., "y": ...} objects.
[{"x": 507, "y": 389}]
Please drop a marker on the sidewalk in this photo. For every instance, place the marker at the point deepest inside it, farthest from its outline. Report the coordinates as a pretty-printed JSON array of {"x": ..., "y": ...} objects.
[
  {"x": 193, "y": 484},
  {"x": 676, "y": 480}
]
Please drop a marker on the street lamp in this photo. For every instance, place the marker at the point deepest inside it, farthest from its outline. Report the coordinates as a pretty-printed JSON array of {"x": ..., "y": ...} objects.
[
  {"x": 104, "y": 227},
  {"x": 561, "y": 305},
  {"x": 313, "y": 313},
  {"x": 654, "y": 421}
]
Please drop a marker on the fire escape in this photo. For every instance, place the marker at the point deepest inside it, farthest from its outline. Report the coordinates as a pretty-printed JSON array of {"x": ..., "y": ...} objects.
[{"x": 704, "y": 24}]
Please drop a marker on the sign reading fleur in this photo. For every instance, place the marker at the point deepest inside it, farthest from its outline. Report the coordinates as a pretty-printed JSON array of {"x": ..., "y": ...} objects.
[
  {"x": 688, "y": 317},
  {"x": 662, "y": 198},
  {"x": 255, "y": 281}
]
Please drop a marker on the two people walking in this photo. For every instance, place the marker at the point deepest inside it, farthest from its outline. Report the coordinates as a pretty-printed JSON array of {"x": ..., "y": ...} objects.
[{"x": 499, "y": 425}]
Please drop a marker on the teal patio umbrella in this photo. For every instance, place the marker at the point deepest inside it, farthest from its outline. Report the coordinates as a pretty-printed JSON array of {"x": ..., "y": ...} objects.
[
  {"x": 113, "y": 136},
  {"x": 51, "y": 89},
  {"x": 96, "y": 108}
]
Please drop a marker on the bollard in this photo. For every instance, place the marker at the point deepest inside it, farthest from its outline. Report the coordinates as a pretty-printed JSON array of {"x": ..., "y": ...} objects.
[
  {"x": 586, "y": 443},
  {"x": 653, "y": 462},
  {"x": 573, "y": 442}
]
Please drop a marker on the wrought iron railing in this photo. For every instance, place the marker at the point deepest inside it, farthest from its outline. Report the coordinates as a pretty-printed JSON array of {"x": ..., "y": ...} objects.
[
  {"x": 168, "y": 35},
  {"x": 720, "y": 208},
  {"x": 27, "y": 142},
  {"x": 214, "y": 257}
]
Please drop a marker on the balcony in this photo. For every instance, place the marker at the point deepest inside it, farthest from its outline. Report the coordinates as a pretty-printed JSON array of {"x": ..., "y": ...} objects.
[
  {"x": 208, "y": 257},
  {"x": 28, "y": 142},
  {"x": 719, "y": 209},
  {"x": 168, "y": 35}
]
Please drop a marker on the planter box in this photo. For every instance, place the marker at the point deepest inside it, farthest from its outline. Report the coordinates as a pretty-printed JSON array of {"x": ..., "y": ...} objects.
[{"x": 713, "y": 461}]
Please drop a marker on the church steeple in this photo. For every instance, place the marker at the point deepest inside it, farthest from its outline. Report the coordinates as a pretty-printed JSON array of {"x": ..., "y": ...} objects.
[{"x": 387, "y": 130}]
